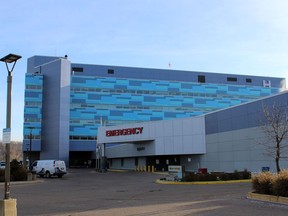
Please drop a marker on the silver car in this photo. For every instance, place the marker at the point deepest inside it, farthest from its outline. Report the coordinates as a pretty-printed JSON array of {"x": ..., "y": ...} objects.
[{"x": 2, "y": 164}]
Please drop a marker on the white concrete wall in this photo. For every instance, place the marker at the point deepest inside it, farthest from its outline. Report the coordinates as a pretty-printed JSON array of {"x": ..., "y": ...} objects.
[
  {"x": 56, "y": 109},
  {"x": 169, "y": 137},
  {"x": 128, "y": 163}
]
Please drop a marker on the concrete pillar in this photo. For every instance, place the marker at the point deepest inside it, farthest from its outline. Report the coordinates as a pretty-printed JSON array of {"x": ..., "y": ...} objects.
[
  {"x": 29, "y": 176},
  {"x": 34, "y": 177},
  {"x": 8, "y": 207}
]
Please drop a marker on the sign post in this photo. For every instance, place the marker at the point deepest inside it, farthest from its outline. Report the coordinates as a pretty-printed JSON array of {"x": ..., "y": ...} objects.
[{"x": 176, "y": 171}]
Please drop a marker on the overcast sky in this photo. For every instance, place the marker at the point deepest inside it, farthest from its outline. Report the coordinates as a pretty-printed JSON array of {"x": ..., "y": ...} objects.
[{"x": 225, "y": 36}]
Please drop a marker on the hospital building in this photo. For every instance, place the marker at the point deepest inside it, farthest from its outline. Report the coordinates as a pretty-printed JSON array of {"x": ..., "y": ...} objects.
[{"x": 144, "y": 116}]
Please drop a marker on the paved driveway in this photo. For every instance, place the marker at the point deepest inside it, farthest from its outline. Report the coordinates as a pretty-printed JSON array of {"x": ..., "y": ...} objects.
[{"x": 84, "y": 192}]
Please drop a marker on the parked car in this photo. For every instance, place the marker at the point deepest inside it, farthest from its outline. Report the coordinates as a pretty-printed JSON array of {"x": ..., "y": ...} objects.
[
  {"x": 49, "y": 168},
  {"x": 2, "y": 164}
]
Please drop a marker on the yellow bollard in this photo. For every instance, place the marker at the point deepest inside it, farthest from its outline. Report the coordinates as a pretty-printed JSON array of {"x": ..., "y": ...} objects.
[
  {"x": 153, "y": 168},
  {"x": 148, "y": 168}
]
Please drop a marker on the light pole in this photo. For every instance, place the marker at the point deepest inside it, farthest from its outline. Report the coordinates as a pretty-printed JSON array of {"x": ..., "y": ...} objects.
[
  {"x": 30, "y": 147},
  {"x": 11, "y": 58}
]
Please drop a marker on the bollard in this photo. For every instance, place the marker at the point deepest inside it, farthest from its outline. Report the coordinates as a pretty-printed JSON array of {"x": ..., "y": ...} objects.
[
  {"x": 148, "y": 168},
  {"x": 153, "y": 168},
  {"x": 8, "y": 207},
  {"x": 29, "y": 176},
  {"x": 34, "y": 177}
]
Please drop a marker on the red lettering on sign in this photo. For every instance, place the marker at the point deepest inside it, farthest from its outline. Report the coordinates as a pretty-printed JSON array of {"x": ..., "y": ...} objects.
[{"x": 124, "y": 132}]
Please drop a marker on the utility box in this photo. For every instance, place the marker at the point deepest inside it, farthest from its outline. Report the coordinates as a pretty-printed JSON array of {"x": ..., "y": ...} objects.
[{"x": 202, "y": 170}]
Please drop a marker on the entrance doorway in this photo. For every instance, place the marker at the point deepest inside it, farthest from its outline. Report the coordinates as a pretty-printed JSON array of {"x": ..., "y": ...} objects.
[{"x": 82, "y": 159}]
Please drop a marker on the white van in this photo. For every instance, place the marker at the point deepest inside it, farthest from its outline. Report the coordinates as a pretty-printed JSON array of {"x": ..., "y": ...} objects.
[{"x": 49, "y": 168}]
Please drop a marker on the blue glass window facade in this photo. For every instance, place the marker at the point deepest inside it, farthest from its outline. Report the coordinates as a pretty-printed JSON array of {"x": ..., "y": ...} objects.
[
  {"x": 112, "y": 100},
  {"x": 33, "y": 106}
]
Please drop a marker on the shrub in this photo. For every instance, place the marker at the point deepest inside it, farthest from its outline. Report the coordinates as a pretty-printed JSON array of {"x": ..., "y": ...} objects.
[
  {"x": 280, "y": 184},
  {"x": 224, "y": 176},
  {"x": 235, "y": 176},
  {"x": 2, "y": 175},
  {"x": 17, "y": 172},
  {"x": 217, "y": 176},
  {"x": 246, "y": 174},
  {"x": 262, "y": 182}
]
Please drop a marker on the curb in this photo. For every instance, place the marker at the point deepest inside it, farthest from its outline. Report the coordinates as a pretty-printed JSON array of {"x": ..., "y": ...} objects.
[
  {"x": 23, "y": 182},
  {"x": 268, "y": 198},
  {"x": 118, "y": 170},
  {"x": 158, "y": 181}
]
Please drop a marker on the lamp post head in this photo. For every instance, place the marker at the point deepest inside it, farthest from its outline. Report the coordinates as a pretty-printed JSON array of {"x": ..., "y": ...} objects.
[{"x": 10, "y": 58}]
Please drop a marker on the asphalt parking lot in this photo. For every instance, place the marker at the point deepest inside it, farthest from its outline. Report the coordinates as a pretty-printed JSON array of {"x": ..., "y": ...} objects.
[{"x": 84, "y": 192}]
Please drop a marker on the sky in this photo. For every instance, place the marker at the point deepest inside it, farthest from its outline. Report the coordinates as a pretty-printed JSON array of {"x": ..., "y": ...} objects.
[{"x": 222, "y": 36}]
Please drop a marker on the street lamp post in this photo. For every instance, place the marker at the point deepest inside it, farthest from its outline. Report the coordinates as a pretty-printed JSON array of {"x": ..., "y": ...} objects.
[
  {"x": 27, "y": 157},
  {"x": 11, "y": 58},
  {"x": 30, "y": 147}
]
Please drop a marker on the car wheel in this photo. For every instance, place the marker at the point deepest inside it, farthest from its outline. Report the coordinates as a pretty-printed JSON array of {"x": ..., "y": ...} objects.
[{"x": 47, "y": 174}]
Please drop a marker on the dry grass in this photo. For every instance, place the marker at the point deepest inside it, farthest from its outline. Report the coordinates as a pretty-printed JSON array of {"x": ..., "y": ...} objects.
[
  {"x": 271, "y": 184},
  {"x": 262, "y": 182},
  {"x": 280, "y": 184}
]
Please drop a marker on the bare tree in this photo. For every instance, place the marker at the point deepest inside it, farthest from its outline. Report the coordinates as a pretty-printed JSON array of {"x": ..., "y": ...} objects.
[
  {"x": 275, "y": 128},
  {"x": 2, "y": 152},
  {"x": 15, "y": 151}
]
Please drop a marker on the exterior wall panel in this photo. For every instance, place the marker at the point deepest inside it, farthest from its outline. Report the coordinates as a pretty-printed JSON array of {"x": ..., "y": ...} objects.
[
  {"x": 55, "y": 141},
  {"x": 238, "y": 150},
  {"x": 191, "y": 141}
]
